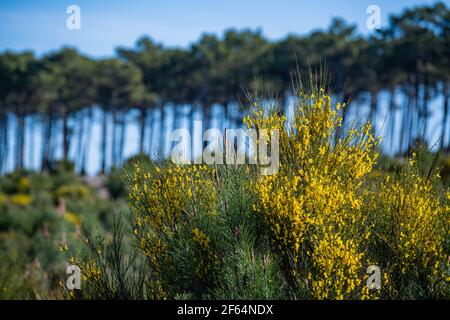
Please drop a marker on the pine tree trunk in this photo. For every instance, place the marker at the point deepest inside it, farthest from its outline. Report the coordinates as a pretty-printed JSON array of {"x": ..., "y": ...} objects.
[
  {"x": 3, "y": 145},
  {"x": 206, "y": 122},
  {"x": 114, "y": 137},
  {"x": 79, "y": 157},
  {"x": 445, "y": 92},
  {"x": 87, "y": 145},
  {"x": 65, "y": 135},
  {"x": 162, "y": 131},
  {"x": 142, "y": 121},
  {"x": 20, "y": 141},
  {"x": 191, "y": 119},
  {"x": 47, "y": 148},
  {"x": 373, "y": 109},
  {"x": 226, "y": 111},
  {"x": 405, "y": 118},
  {"x": 152, "y": 134},
  {"x": 426, "y": 99},
  {"x": 31, "y": 142},
  {"x": 122, "y": 128},
  {"x": 103, "y": 146},
  {"x": 392, "y": 118}
]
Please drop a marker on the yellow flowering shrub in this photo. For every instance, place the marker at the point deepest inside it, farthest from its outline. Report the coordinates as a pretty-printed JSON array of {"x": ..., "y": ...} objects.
[
  {"x": 312, "y": 206},
  {"x": 21, "y": 199},
  {"x": 162, "y": 196},
  {"x": 90, "y": 271},
  {"x": 327, "y": 217},
  {"x": 337, "y": 266},
  {"x": 205, "y": 259},
  {"x": 77, "y": 191},
  {"x": 412, "y": 224},
  {"x": 164, "y": 199}
]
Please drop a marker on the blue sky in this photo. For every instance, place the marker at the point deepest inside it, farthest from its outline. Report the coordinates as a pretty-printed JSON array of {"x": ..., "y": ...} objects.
[{"x": 41, "y": 25}]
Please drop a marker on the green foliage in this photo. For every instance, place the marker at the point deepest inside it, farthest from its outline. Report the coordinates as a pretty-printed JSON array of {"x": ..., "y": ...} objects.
[
  {"x": 111, "y": 270},
  {"x": 40, "y": 216},
  {"x": 244, "y": 269},
  {"x": 16, "y": 282},
  {"x": 115, "y": 183}
]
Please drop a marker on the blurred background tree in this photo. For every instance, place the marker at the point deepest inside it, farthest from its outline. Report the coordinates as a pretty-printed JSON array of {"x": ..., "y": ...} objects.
[{"x": 396, "y": 77}]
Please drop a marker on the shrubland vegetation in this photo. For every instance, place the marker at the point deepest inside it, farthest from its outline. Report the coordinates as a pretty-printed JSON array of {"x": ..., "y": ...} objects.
[
  {"x": 40, "y": 218},
  {"x": 150, "y": 229},
  {"x": 309, "y": 231},
  {"x": 156, "y": 230}
]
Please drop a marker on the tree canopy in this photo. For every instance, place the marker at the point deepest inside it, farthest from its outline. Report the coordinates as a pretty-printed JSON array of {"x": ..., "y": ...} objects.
[{"x": 409, "y": 57}]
